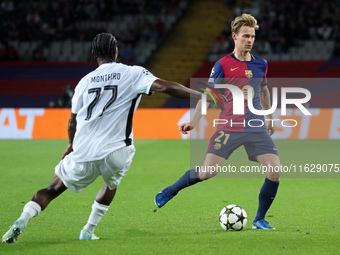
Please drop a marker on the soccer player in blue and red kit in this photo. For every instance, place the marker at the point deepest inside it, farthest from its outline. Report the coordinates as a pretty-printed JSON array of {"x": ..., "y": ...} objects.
[{"x": 241, "y": 69}]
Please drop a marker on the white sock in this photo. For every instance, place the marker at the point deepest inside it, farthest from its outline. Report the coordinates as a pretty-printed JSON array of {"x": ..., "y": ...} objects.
[
  {"x": 98, "y": 211},
  {"x": 31, "y": 209}
]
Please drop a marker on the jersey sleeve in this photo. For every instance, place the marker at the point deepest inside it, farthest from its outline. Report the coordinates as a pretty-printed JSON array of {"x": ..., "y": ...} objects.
[
  {"x": 142, "y": 79},
  {"x": 264, "y": 80},
  {"x": 216, "y": 74},
  {"x": 77, "y": 101}
]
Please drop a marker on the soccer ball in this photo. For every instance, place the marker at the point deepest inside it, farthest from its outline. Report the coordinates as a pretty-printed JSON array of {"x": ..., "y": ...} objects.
[{"x": 233, "y": 217}]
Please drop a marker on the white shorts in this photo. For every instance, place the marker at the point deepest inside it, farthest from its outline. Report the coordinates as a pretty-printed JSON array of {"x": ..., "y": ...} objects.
[{"x": 77, "y": 176}]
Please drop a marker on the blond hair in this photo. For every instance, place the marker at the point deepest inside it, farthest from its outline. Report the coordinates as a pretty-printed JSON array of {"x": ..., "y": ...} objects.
[{"x": 244, "y": 20}]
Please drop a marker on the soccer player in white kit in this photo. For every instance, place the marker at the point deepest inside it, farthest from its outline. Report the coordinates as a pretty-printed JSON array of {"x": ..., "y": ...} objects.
[{"x": 100, "y": 133}]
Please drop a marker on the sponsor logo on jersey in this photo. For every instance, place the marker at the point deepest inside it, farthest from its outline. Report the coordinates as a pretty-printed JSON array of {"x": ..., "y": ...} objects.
[{"x": 233, "y": 69}]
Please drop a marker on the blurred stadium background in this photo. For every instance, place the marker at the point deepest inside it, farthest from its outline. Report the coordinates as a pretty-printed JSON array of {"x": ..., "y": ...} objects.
[{"x": 45, "y": 46}]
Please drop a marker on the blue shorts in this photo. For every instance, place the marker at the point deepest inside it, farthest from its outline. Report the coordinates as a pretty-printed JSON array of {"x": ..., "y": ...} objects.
[{"x": 223, "y": 143}]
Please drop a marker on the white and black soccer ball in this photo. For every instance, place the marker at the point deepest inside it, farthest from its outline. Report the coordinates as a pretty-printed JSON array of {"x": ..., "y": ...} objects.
[{"x": 233, "y": 217}]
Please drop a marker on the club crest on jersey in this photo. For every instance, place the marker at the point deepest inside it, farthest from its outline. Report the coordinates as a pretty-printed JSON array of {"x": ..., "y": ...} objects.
[
  {"x": 217, "y": 146},
  {"x": 249, "y": 73}
]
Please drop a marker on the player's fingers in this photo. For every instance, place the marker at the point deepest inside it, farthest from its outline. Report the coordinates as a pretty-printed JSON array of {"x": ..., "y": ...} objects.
[
  {"x": 183, "y": 131},
  {"x": 181, "y": 126},
  {"x": 223, "y": 99},
  {"x": 68, "y": 151},
  {"x": 186, "y": 127}
]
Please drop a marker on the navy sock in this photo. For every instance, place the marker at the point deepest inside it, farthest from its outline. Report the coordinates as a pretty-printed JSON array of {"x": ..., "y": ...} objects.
[
  {"x": 266, "y": 197},
  {"x": 190, "y": 177}
]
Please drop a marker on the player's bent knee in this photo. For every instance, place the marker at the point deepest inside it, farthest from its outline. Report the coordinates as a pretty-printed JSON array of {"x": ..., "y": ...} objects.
[
  {"x": 274, "y": 176},
  {"x": 207, "y": 175},
  {"x": 273, "y": 179}
]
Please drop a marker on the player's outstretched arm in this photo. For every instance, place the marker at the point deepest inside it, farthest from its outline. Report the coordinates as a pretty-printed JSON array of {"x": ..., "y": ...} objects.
[
  {"x": 72, "y": 124},
  {"x": 177, "y": 90},
  {"x": 188, "y": 126},
  {"x": 265, "y": 103},
  {"x": 174, "y": 89}
]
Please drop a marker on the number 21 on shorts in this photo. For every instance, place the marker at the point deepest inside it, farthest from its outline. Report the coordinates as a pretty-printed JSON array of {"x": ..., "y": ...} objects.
[{"x": 222, "y": 136}]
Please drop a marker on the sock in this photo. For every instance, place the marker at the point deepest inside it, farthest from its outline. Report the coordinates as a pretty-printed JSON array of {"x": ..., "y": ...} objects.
[
  {"x": 98, "y": 211},
  {"x": 31, "y": 209},
  {"x": 190, "y": 177},
  {"x": 266, "y": 197}
]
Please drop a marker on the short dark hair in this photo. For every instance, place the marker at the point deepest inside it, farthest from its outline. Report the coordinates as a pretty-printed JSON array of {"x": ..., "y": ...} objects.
[{"x": 104, "y": 46}]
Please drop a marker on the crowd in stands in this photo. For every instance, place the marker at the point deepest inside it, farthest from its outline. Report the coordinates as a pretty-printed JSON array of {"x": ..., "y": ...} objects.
[
  {"x": 8, "y": 52},
  {"x": 284, "y": 24},
  {"x": 46, "y": 21}
]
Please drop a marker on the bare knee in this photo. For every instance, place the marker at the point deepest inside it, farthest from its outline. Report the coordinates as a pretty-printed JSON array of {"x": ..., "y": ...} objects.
[
  {"x": 270, "y": 165},
  {"x": 273, "y": 172},
  {"x": 106, "y": 195},
  {"x": 211, "y": 166},
  {"x": 205, "y": 175},
  {"x": 274, "y": 179}
]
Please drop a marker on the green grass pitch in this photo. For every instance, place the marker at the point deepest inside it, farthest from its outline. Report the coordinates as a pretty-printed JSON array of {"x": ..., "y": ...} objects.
[{"x": 306, "y": 213}]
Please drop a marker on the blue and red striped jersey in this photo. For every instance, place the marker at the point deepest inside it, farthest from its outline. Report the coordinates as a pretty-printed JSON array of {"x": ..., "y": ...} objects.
[{"x": 243, "y": 74}]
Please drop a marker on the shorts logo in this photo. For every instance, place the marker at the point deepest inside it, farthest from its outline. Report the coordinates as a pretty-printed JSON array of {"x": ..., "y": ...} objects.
[
  {"x": 249, "y": 73},
  {"x": 274, "y": 149},
  {"x": 217, "y": 146}
]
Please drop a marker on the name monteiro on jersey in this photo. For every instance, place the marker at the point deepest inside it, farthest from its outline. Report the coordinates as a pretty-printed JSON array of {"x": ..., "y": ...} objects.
[
  {"x": 106, "y": 77},
  {"x": 244, "y": 75}
]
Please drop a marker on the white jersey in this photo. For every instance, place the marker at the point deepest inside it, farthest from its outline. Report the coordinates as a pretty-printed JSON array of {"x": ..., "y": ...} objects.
[{"x": 105, "y": 101}]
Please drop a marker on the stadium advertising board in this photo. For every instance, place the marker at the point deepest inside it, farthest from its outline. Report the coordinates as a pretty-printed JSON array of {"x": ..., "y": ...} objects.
[{"x": 40, "y": 123}]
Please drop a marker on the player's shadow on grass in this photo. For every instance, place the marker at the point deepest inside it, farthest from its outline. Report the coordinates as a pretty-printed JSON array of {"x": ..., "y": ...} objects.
[{"x": 221, "y": 231}]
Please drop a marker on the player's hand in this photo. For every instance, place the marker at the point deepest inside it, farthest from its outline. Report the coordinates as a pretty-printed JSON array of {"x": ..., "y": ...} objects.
[
  {"x": 185, "y": 127},
  {"x": 270, "y": 127},
  {"x": 223, "y": 100},
  {"x": 69, "y": 149}
]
